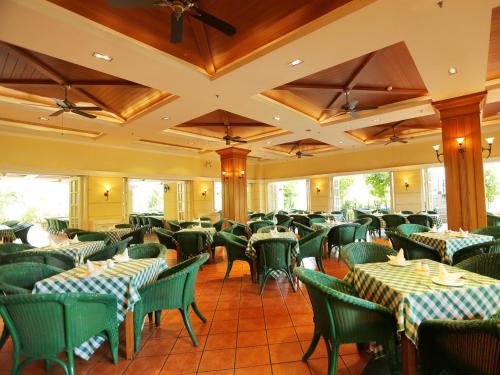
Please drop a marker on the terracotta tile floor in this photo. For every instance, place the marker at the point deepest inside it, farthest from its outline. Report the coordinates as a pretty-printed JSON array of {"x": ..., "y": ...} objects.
[{"x": 245, "y": 333}]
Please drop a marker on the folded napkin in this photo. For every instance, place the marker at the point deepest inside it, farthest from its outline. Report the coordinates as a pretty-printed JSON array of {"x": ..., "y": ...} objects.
[
  {"x": 75, "y": 239},
  {"x": 110, "y": 264},
  {"x": 90, "y": 267},
  {"x": 446, "y": 277},
  {"x": 422, "y": 268},
  {"x": 434, "y": 229},
  {"x": 398, "y": 259},
  {"x": 123, "y": 257}
]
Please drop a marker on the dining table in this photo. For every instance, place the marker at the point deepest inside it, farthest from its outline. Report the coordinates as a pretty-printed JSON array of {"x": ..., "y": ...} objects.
[
  {"x": 78, "y": 251},
  {"x": 116, "y": 234},
  {"x": 414, "y": 297},
  {"x": 448, "y": 243},
  {"x": 7, "y": 233},
  {"x": 123, "y": 281}
]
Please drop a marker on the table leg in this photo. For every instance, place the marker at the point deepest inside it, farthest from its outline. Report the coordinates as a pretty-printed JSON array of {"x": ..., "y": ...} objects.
[
  {"x": 129, "y": 335},
  {"x": 409, "y": 353}
]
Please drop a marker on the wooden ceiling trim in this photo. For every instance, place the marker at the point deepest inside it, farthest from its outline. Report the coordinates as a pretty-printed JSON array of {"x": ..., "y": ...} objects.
[
  {"x": 339, "y": 88},
  {"x": 201, "y": 37},
  {"x": 214, "y": 124},
  {"x": 72, "y": 83},
  {"x": 49, "y": 128}
]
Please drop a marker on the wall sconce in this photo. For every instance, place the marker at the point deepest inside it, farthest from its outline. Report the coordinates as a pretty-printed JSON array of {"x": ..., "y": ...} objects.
[
  {"x": 107, "y": 188},
  {"x": 407, "y": 184},
  {"x": 318, "y": 189},
  {"x": 166, "y": 188},
  {"x": 460, "y": 142},
  {"x": 438, "y": 154},
  {"x": 224, "y": 175},
  {"x": 242, "y": 174},
  {"x": 489, "y": 141},
  {"x": 204, "y": 192}
]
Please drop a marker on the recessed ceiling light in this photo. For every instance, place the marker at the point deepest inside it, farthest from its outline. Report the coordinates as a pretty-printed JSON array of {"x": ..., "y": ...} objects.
[
  {"x": 376, "y": 119},
  {"x": 453, "y": 70},
  {"x": 277, "y": 118},
  {"x": 43, "y": 118},
  {"x": 295, "y": 62},
  {"x": 165, "y": 118},
  {"x": 269, "y": 142},
  {"x": 102, "y": 56},
  {"x": 191, "y": 143},
  {"x": 498, "y": 113},
  {"x": 388, "y": 88},
  {"x": 341, "y": 142}
]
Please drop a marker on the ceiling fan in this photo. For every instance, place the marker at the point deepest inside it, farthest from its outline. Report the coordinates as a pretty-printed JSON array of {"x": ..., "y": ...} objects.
[
  {"x": 65, "y": 105},
  {"x": 180, "y": 8},
  {"x": 350, "y": 107},
  {"x": 228, "y": 138},
  {"x": 299, "y": 154},
  {"x": 394, "y": 138}
]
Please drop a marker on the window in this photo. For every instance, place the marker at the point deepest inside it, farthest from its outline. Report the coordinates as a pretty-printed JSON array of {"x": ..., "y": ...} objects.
[
  {"x": 217, "y": 196},
  {"x": 147, "y": 195},
  {"x": 289, "y": 194},
  {"x": 362, "y": 191},
  {"x": 436, "y": 190},
  {"x": 492, "y": 186}
]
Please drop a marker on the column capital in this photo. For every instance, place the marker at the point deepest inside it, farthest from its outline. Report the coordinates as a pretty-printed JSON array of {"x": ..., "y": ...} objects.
[
  {"x": 233, "y": 152},
  {"x": 460, "y": 106}
]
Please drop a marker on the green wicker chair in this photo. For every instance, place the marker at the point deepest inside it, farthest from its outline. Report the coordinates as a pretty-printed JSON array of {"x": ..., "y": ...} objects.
[
  {"x": 314, "y": 220},
  {"x": 173, "y": 225},
  {"x": 21, "y": 231},
  {"x": 165, "y": 237},
  {"x": 413, "y": 249},
  {"x": 362, "y": 230},
  {"x": 340, "y": 317},
  {"x": 94, "y": 236},
  {"x": 72, "y": 232},
  {"x": 472, "y": 250},
  {"x": 10, "y": 248},
  {"x": 188, "y": 224},
  {"x": 62, "y": 261},
  {"x": 123, "y": 226},
  {"x": 304, "y": 220},
  {"x": 407, "y": 229},
  {"x": 256, "y": 225},
  {"x": 311, "y": 246},
  {"x": 61, "y": 225},
  {"x": 51, "y": 225},
  {"x": 281, "y": 216},
  {"x": 43, "y": 325},
  {"x": 136, "y": 235},
  {"x": 174, "y": 289},
  {"x": 238, "y": 229},
  {"x": 303, "y": 229},
  {"x": 421, "y": 219},
  {"x": 463, "y": 347},
  {"x": 147, "y": 250},
  {"x": 492, "y": 220},
  {"x": 407, "y": 212},
  {"x": 375, "y": 226},
  {"x": 191, "y": 243},
  {"x": 218, "y": 225},
  {"x": 392, "y": 221},
  {"x": 274, "y": 254},
  {"x": 483, "y": 264},
  {"x": 268, "y": 216},
  {"x": 286, "y": 223},
  {"x": 365, "y": 252},
  {"x": 341, "y": 235},
  {"x": 154, "y": 222},
  {"x": 488, "y": 231},
  {"x": 269, "y": 228},
  {"x": 109, "y": 251},
  {"x": 235, "y": 250},
  {"x": 256, "y": 215}
]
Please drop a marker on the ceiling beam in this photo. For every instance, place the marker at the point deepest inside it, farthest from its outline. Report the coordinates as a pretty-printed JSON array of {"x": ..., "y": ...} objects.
[
  {"x": 200, "y": 34},
  {"x": 203, "y": 124},
  {"x": 338, "y": 88},
  {"x": 73, "y": 84}
]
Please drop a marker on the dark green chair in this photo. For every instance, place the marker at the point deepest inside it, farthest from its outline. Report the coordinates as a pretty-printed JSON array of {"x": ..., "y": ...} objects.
[
  {"x": 51, "y": 225},
  {"x": 375, "y": 226},
  {"x": 303, "y": 230},
  {"x": 61, "y": 225},
  {"x": 472, "y": 250},
  {"x": 286, "y": 223},
  {"x": 302, "y": 219},
  {"x": 314, "y": 220},
  {"x": 123, "y": 226},
  {"x": 54, "y": 259},
  {"x": 392, "y": 221},
  {"x": 483, "y": 264},
  {"x": 135, "y": 221},
  {"x": 488, "y": 231},
  {"x": 256, "y": 225},
  {"x": 311, "y": 246},
  {"x": 269, "y": 228},
  {"x": 154, "y": 222},
  {"x": 280, "y": 216},
  {"x": 109, "y": 251},
  {"x": 413, "y": 249},
  {"x": 11, "y": 223},
  {"x": 94, "y": 236},
  {"x": 492, "y": 220},
  {"x": 463, "y": 347},
  {"x": 11, "y": 248},
  {"x": 72, "y": 232},
  {"x": 341, "y": 235},
  {"x": 191, "y": 243},
  {"x": 218, "y": 225},
  {"x": 188, "y": 224},
  {"x": 365, "y": 252},
  {"x": 136, "y": 235},
  {"x": 256, "y": 215},
  {"x": 407, "y": 212},
  {"x": 268, "y": 216},
  {"x": 173, "y": 225},
  {"x": 147, "y": 250},
  {"x": 362, "y": 230},
  {"x": 239, "y": 229},
  {"x": 21, "y": 231},
  {"x": 174, "y": 289},
  {"x": 274, "y": 254},
  {"x": 421, "y": 219},
  {"x": 43, "y": 325},
  {"x": 407, "y": 229},
  {"x": 165, "y": 237},
  {"x": 235, "y": 250},
  {"x": 341, "y": 317}
]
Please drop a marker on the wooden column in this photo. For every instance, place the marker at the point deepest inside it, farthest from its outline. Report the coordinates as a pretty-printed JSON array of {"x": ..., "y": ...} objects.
[
  {"x": 234, "y": 183},
  {"x": 465, "y": 195}
]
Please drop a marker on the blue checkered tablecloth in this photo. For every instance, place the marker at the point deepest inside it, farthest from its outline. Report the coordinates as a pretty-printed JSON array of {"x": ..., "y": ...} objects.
[
  {"x": 79, "y": 251},
  {"x": 414, "y": 297},
  {"x": 123, "y": 281}
]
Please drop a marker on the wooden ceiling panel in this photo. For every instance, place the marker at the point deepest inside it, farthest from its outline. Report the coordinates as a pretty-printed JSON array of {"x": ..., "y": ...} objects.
[
  {"x": 309, "y": 145},
  {"x": 493, "y": 71}
]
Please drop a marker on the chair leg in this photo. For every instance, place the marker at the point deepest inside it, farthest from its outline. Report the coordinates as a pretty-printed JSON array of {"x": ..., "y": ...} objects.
[
  {"x": 312, "y": 345},
  {"x": 198, "y": 312},
  {"x": 333, "y": 357},
  {"x": 4, "y": 337},
  {"x": 138, "y": 319},
  {"x": 158, "y": 318},
  {"x": 319, "y": 262},
  {"x": 290, "y": 279},
  {"x": 185, "y": 317},
  {"x": 71, "y": 362},
  {"x": 150, "y": 317},
  {"x": 228, "y": 270},
  {"x": 263, "y": 282},
  {"x": 113, "y": 344}
]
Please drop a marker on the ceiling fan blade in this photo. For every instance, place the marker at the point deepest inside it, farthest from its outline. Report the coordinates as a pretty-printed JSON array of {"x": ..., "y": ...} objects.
[
  {"x": 307, "y": 154},
  {"x": 365, "y": 108},
  {"x": 61, "y": 103},
  {"x": 131, "y": 3},
  {"x": 88, "y": 115},
  {"x": 354, "y": 114},
  {"x": 402, "y": 141},
  {"x": 239, "y": 140},
  {"x": 176, "y": 27},
  {"x": 38, "y": 105},
  {"x": 212, "y": 21},
  {"x": 236, "y": 137},
  {"x": 388, "y": 142},
  {"x": 57, "y": 113},
  {"x": 353, "y": 103},
  {"x": 88, "y": 108}
]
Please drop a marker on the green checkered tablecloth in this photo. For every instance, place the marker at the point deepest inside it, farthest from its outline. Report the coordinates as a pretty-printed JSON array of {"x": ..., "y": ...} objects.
[
  {"x": 319, "y": 226},
  {"x": 209, "y": 231},
  {"x": 448, "y": 244},
  {"x": 79, "y": 251},
  {"x": 117, "y": 234},
  {"x": 123, "y": 281},
  {"x": 252, "y": 253},
  {"x": 7, "y": 233},
  {"x": 414, "y": 297}
]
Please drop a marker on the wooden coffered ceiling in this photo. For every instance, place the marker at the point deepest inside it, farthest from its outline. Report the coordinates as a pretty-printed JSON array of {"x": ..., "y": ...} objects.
[
  {"x": 30, "y": 77},
  {"x": 309, "y": 146},
  {"x": 379, "y": 78},
  {"x": 258, "y": 23},
  {"x": 494, "y": 46}
]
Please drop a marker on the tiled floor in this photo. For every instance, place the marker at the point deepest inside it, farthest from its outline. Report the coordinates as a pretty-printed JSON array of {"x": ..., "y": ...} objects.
[{"x": 245, "y": 333}]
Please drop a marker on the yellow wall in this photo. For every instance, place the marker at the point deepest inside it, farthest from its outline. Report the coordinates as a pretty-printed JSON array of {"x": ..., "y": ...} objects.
[
  {"x": 320, "y": 201},
  {"x": 104, "y": 212},
  {"x": 256, "y": 196},
  {"x": 170, "y": 205},
  {"x": 411, "y": 199},
  {"x": 203, "y": 205}
]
